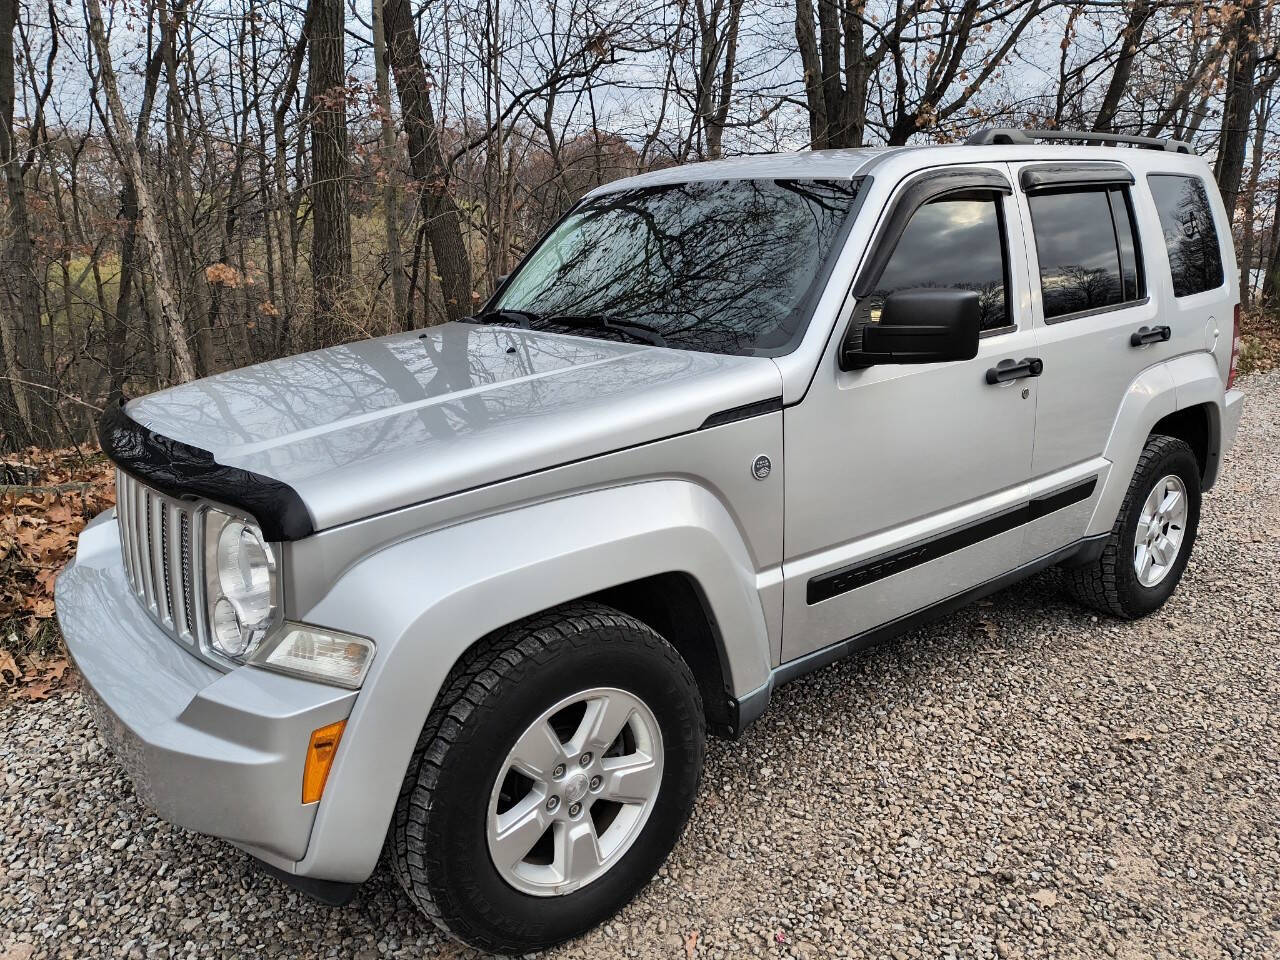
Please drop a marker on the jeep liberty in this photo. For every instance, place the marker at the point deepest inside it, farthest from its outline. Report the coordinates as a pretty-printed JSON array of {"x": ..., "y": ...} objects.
[{"x": 475, "y": 595}]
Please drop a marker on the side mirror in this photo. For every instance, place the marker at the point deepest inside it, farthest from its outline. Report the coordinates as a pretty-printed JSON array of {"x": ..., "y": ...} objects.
[{"x": 928, "y": 325}]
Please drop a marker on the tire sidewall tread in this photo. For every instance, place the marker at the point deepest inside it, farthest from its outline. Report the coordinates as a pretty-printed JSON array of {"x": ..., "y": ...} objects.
[
  {"x": 1110, "y": 583},
  {"x": 522, "y": 670}
]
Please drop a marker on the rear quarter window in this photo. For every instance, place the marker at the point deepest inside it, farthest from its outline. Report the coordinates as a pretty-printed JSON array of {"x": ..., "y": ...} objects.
[{"x": 1186, "y": 218}]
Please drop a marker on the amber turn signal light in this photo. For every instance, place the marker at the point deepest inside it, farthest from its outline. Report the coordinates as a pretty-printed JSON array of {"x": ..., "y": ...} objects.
[{"x": 320, "y": 754}]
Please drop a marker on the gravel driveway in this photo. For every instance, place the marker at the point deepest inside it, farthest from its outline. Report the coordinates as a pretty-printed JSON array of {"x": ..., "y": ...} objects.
[{"x": 1023, "y": 779}]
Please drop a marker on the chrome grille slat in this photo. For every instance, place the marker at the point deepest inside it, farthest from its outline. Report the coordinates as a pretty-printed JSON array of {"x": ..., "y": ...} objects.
[
  {"x": 158, "y": 540},
  {"x": 142, "y": 533}
]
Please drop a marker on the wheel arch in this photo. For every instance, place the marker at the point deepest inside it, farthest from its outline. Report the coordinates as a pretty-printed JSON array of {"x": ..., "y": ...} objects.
[
  {"x": 675, "y": 606},
  {"x": 440, "y": 593},
  {"x": 1197, "y": 427},
  {"x": 1183, "y": 398}
]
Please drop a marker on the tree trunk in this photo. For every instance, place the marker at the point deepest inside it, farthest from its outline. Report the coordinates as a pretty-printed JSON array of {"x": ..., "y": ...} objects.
[
  {"x": 149, "y": 232},
  {"x": 286, "y": 220},
  {"x": 331, "y": 218},
  {"x": 21, "y": 332},
  {"x": 1238, "y": 108},
  {"x": 1105, "y": 122},
  {"x": 1248, "y": 239},
  {"x": 390, "y": 187},
  {"x": 117, "y": 326},
  {"x": 1271, "y": 282},
  {"x": 439, "y": 212},
  {"x": 811, "y": 66}
]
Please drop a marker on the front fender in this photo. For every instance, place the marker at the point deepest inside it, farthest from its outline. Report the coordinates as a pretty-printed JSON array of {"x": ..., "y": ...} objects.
[{"x": 425, "y": 601}]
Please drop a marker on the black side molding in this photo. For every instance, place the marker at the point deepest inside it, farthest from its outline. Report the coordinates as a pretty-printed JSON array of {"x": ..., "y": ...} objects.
[
  {"x": 180, "y": 469},
  {"x": 844, "y": 579},
  {"x": 751, "y": 706},
  {"x": 1075, "y": 554},
  {"x": 744, "y": 412}
]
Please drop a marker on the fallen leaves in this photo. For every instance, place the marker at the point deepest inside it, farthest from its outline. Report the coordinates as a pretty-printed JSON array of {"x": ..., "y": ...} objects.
[
  {"x": 691, "y": 945},
  {"x": 32, "y": 677},
  {"x": 1260, "y": 333},
  {"x": 40, "y": 521}
]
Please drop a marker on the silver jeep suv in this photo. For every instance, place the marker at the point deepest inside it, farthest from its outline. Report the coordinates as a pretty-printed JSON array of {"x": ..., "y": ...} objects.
[{"x": 475, "y": 595}]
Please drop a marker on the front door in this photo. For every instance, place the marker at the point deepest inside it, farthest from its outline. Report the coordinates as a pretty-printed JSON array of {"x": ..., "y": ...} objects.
[{"x": 905, "y": 484}]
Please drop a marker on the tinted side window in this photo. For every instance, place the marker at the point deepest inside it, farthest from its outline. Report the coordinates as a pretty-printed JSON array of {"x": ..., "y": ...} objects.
[
  {"x": 955, "y": 241},
  {"x": 1189, "y": 235},
  {"x": 1086, "y": 243}
]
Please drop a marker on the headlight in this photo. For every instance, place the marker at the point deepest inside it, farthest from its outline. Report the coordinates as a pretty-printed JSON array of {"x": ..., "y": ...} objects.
[
  {"x": 315, "y": 653},
  {"x": 241, "y": 584}
]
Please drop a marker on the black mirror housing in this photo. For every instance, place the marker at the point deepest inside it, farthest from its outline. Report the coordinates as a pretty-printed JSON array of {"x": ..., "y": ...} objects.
[{"x": 929, "y": 325}]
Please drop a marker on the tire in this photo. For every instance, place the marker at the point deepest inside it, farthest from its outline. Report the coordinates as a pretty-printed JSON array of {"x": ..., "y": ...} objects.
[
  {"x": 445, "y": 819},
  {"x": 1112, "y": 583}
]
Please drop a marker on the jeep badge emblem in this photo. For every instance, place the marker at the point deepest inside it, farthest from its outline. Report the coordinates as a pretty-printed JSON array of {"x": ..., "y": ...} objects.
[{"x": 760, "y": 467}]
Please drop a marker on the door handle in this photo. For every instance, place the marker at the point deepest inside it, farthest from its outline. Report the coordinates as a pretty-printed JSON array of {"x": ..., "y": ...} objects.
[
  {"x": 1144, "y": 335},
  {"x": 1007, "y": 370}
]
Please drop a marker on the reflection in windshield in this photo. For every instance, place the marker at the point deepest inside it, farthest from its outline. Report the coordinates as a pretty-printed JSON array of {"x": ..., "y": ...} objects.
[{"x": 726, "y": 266}]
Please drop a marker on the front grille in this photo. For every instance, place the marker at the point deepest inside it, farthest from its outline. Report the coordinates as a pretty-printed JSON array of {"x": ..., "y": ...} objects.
[{"x": 161, "y": 566}]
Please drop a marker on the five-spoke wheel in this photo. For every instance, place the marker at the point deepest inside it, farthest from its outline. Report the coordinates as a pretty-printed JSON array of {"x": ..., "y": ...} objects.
[
  {"x": 1161, "y": 526},
  {"x": 575, "y": 791}
]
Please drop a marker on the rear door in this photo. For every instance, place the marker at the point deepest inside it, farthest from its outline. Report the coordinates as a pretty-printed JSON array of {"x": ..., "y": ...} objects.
[{"x": 1091, "y": 293}]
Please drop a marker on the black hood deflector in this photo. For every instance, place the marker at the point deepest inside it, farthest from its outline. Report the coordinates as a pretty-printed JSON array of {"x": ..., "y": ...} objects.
[{"x": 180, "y": 469}]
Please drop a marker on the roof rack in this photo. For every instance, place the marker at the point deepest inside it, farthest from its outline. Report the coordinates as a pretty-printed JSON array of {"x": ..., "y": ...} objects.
[{"x": 1008, "y": 136}]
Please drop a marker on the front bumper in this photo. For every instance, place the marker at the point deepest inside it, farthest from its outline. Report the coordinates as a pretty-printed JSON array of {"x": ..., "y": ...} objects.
[{"x": 217, "y": 753}]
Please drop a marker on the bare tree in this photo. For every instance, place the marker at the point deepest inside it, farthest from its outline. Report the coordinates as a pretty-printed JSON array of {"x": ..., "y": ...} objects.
[
  {"x": 1239, "y": 103},
  {"x": 149, "y": 231},
  {"x": 390, "y": 186},
  {"x": 330, "y": 216},
  {"x": 21, "y": 330},
  {"x": 441, "y": 220}
]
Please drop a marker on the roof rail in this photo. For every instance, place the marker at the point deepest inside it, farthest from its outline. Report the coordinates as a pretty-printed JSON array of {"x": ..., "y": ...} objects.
[{"x": 1009, "y": 136}]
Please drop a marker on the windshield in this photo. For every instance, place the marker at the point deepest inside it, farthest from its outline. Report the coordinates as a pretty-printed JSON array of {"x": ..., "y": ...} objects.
[{"x": 723, "y": 266}]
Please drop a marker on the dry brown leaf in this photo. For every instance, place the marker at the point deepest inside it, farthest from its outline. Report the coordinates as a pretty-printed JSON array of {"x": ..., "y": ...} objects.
[
  {"x": 55, "y": 669},
  {"x": 39, "y": 690},
  {"x": 9, "y": 670},
  {"x": 691, "y": 944}
]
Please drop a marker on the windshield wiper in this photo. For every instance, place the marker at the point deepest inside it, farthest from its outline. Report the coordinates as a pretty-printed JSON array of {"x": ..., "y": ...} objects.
[
  {"x": 503, "y": 315},
  {"x": 641, "y": 332}
]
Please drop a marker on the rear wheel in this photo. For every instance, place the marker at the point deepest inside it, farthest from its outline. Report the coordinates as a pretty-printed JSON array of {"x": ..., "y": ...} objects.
[
  {"x": 1150, "y": 542},
  {"x": 552, "y": 778}
]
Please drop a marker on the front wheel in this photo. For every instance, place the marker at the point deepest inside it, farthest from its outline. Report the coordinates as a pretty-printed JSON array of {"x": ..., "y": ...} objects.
[
  {"x": 552, "y": 778},
  {"x": 1151, "y": 540}
]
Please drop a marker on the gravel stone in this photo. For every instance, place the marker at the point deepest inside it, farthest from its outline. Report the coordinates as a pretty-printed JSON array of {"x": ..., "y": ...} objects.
[{"x": 1020, "y": 780}]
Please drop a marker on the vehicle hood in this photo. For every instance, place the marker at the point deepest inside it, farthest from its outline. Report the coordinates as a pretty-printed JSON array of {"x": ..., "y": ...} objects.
[{"x": 368, "y": 427}]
